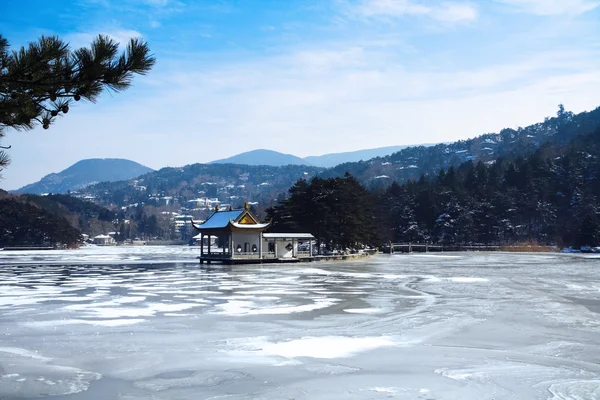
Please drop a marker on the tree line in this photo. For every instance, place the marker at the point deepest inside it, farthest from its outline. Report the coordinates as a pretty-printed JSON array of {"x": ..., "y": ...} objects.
[
  {"x": 23, "y": 224},
  {"x": 58, "y": 219}
]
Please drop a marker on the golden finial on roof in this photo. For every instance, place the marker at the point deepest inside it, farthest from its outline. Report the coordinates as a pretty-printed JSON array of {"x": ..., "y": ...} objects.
[
  {"x": 216, "y": 208},
  {"x": 246, "y": 206}
]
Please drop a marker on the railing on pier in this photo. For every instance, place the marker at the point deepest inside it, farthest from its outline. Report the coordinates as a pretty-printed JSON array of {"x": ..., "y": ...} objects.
[
  {"x": 248, "y": 255},
  {"x": 412, "y": 247},
  {"x": 426, "y": 248},
  {"x": 216, "y": 255}
]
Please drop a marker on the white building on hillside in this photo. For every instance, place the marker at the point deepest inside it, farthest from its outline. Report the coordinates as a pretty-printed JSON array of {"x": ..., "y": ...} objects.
[{"x": 103, "y": 240}]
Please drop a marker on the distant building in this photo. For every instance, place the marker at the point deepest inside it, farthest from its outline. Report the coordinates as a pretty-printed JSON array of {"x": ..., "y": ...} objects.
[
  {"x": 166, "y": 200},
  {"x": 182, "y": 220},
  {"x": 203, "y": 202},
  {"x": 103, "y": 240}
]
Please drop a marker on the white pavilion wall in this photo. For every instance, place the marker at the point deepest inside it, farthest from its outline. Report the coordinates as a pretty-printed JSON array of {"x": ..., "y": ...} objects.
[
  {"x": 241, "y": 238},
  {"x": 280, "y": 249}
]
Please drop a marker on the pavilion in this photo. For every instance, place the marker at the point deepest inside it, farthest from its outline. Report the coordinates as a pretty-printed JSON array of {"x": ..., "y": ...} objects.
[{"x": 241, "y": 238}]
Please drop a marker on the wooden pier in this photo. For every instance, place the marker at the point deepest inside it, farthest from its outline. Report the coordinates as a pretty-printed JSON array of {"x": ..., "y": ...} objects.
[
  {"x": 411, "y": 247},
  {"x": 213, "y": 258}
]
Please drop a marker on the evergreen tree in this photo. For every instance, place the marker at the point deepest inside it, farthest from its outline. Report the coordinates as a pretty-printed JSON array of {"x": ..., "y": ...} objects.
[
  {"x": 39, "y": 82},
  {"x": 338, "y": 211},
  {"x": 23, "y": 224}
]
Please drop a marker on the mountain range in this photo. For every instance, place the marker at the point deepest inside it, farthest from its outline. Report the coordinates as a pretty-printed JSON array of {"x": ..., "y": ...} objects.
[
  {"x": 274, "y": 158},
  {"x": 90, "y": 171},
  {"x": 262, "y": 157},
  {"x": 84, "y": 173},
  {"x": 234, "y": 183},
  {"x": 333, "y": 159}
]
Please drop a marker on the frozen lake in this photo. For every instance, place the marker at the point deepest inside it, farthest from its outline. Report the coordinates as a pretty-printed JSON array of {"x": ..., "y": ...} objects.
[{"x": 150, "y": 323}]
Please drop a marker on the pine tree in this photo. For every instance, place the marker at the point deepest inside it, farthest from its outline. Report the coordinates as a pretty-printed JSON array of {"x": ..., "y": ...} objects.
[
  {"x": 39, "y": 82},
  {"x": 339, "y": 212}
]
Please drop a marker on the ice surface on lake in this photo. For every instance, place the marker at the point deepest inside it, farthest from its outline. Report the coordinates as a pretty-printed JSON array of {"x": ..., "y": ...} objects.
[
  {"x": 320, "y": 347},
  {"x": 102, "y": 255},
  {"x": 150, "y": 322}
]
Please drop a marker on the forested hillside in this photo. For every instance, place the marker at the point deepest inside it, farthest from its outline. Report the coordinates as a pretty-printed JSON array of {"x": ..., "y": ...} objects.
[
  {"x": 23, "y": 224},
  {"x": 549, "y": 197},
  {"x": 230, "y": 183},
  {"x": 412, "y": 162},
  {"x": 51, "y": 220},
  {"x": 85, "y": 216}
]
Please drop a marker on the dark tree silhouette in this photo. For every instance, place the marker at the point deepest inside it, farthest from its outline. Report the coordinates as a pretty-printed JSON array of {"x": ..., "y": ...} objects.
[{"x": 338, "y": 211}]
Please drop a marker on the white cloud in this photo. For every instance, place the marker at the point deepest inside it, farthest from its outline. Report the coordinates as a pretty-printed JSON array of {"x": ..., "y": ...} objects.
[
  {"x": 83, "y": 39},
  {"x": 158, "y": 3},
  {"x": 455, "y": 12},
  {"x": 449, "y": 12},
  {"x": 553, "y": 7}
]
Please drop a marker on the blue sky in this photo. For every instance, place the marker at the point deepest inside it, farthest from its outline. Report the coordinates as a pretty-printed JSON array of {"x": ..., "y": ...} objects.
[{"x": 310, "y": 77}]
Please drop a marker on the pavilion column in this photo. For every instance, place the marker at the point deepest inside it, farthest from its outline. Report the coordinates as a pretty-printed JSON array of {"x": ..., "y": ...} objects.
[
  {"x": 260, "y": 240},
  {"x": 293, "y": 248},
  {"x": 209, "y": 235},
  {"x": 201, "y": 245},
  {"x": 232, "y": 245}
]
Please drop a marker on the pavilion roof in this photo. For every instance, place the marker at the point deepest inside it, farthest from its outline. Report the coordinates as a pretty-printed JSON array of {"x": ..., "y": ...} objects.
[
  {"x": 220, "y": 219},
  {"x": 305, "y": 236},
  {"x": 232, "y": 220}
]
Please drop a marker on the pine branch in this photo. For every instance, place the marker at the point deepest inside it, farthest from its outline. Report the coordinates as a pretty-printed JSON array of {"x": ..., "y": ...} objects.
[
  {"x": 38, "y": 82},
  {"x": 32, "y": 79}
]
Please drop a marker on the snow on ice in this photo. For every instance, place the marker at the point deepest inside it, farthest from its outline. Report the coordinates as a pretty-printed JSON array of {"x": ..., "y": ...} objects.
[{"x": 141, "y": 323}]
